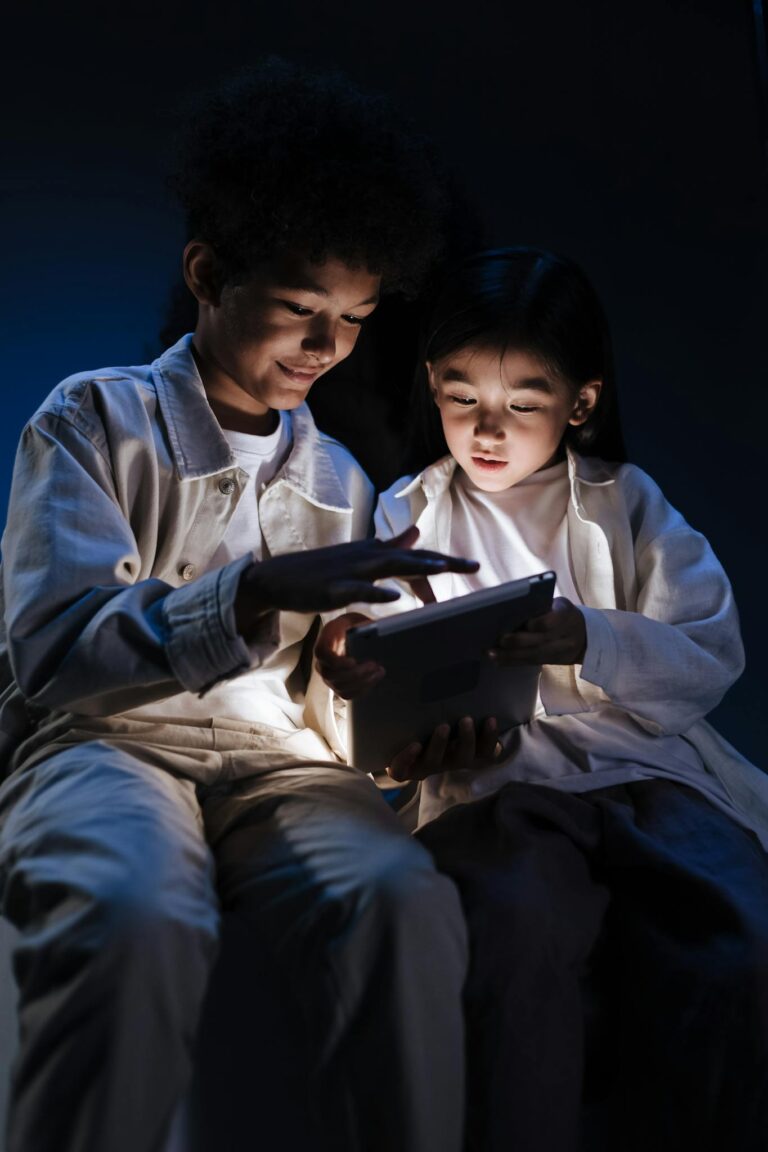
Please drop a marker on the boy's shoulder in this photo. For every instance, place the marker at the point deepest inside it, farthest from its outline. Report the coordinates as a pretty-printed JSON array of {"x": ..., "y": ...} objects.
[
  {"x": 323, "y": 469},
  {"x": 85, "y": 392}
]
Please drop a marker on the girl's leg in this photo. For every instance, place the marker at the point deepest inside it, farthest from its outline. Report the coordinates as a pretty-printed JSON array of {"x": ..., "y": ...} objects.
[
  {"x": 105, "y": 872},
  {"x": 368, "y": 945},
  {"x": 524, "y": 863},
  {"x": 690, "y": 924}
]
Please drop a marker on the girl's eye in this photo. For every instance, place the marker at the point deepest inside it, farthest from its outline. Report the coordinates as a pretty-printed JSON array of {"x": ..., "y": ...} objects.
[
  {"x": 355, "y": 320},
  {"x": 462, "y": 401}
]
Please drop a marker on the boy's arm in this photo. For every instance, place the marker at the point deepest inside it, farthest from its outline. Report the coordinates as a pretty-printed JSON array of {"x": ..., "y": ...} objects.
[{"x": 84, "y": 633}]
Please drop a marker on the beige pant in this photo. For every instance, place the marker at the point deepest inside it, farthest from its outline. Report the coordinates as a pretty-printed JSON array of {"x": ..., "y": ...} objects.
[{"x": 122, "y": 847}]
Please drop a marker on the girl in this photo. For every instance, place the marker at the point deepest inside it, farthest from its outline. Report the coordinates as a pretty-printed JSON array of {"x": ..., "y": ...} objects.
[{"x": 609, "y": 854}]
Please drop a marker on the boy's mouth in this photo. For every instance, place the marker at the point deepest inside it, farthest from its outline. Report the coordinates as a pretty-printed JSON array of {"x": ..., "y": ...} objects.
[{"x": 299, "y": 375}]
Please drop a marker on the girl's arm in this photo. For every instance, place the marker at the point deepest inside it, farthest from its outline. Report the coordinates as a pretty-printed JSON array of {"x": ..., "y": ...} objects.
[{"x": 671, "y": 659}]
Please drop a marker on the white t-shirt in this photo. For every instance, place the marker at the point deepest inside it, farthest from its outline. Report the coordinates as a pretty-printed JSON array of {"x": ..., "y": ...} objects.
[
  {"x": 261, "y": 695},
  {"x": 261, "y": 457}
]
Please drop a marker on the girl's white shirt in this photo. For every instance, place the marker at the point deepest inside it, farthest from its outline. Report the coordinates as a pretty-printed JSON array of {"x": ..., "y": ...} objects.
[
  {"x": 513, "y": 533},
  {"x": 663, "y": 641}
]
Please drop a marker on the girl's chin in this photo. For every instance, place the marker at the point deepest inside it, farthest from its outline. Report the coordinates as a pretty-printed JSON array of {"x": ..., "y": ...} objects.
[{"x": 490, "y": 479}]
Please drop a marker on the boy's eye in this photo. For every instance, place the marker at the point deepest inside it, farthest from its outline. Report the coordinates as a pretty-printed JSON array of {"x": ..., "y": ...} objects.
[
  {"x": 524, "y": 407},
  {"x": 297, "y": 309},
  {"x": 356, "y": 320}
]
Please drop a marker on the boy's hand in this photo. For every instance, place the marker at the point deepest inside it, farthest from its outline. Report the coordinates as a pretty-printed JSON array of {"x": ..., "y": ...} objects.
[
  {"x": 327, "y": 578},
  {"x": 346, "y": 676},
  {"x": 557, "y": 637},
  {"x": 468, "y": 749}
]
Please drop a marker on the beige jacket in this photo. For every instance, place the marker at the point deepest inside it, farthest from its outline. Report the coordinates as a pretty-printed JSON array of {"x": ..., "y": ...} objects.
[{"x": 122, "y": 490}]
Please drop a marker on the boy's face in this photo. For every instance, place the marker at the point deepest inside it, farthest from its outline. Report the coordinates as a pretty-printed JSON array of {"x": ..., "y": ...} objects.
[{"x": 262, "y": 344}]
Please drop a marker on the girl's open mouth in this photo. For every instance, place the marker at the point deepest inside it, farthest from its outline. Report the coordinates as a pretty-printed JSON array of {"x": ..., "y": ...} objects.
[{"x": 487, "y": 465}]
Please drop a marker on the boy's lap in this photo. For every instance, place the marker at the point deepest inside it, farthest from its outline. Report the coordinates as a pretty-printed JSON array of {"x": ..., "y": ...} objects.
[
  {"x": 102, "y": 815},
  {"x": 310, "y": 835},
  {"x": 93, "y": 820}
]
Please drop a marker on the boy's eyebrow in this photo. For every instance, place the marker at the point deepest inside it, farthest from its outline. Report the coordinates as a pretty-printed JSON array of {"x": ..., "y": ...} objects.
[{"x": 306, "y": 285}]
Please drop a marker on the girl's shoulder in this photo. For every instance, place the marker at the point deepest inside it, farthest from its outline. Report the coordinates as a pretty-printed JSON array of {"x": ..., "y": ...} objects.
[
  {"x": 402, "y": 503},
  {"x": 396, "y": 507},
  {"x": 627, "y": 478},
  {"x": 627, "y": 490},
  {"x": 429, "y": 482}
]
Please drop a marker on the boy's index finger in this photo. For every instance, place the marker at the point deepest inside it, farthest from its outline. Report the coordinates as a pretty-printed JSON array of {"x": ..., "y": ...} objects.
[{"x": 421, "y": 562}]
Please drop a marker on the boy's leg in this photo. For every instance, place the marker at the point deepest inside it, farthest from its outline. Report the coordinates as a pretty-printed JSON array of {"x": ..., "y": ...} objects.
[
  {"x": 690, "y": 921},
  {"x": 106, "y": 874},
  {"x": 369, "y": 942},
  {"x": 523, "y": 861}
]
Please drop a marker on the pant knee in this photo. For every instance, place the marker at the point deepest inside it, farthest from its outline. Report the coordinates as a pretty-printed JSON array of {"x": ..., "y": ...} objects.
[{"x": 108, "y": 912}]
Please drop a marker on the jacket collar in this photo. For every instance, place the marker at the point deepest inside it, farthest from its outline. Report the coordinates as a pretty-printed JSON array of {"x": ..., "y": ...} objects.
[{"x": 200, "y": 450}]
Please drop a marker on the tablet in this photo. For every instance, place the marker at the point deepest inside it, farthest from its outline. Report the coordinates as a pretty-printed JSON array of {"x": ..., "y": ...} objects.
[{"x": 438, "y": 669}]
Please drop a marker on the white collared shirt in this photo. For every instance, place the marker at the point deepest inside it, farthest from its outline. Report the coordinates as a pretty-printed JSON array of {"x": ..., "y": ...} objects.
[{"x": 663, "y": 646}]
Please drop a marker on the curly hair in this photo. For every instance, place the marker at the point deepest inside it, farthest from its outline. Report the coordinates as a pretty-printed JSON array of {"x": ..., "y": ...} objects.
[{"x": 283, "y": 159}]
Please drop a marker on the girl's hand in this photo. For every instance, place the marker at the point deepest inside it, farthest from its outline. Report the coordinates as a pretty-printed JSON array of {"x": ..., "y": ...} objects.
[
  {"x": 341, "y": 672},
  {"x": 469, "y": 749},
  {"x": 557, "y": 637}
]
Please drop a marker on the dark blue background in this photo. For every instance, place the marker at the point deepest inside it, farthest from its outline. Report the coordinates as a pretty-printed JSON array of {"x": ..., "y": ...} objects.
[{"x": 628, "y": 137}]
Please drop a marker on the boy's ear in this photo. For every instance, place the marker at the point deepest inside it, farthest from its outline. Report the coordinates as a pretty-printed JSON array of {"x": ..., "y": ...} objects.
[
  {"x": 586, "y": 402},
  {"x": 431, "y": 379},
  {"x": 202, "y": 272}
]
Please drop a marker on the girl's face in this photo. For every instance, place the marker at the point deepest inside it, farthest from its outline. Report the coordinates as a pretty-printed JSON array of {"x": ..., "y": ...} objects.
[{"x": 504, "y": 416}]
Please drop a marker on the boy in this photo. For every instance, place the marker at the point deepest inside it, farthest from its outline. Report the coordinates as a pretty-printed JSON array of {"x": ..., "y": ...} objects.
[{"x": 173, "y": 531}]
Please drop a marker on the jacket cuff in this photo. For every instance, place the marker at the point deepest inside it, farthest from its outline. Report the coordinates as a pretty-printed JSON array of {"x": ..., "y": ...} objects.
[
  {"x": 601, "y": 659},
  {"x": 202, "y": 643}
]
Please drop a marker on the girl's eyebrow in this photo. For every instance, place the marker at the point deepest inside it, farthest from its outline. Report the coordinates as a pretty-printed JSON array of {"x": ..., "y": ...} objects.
[
  {"x": 529, "y": 383},
  {"x": 534, "y": 384}
]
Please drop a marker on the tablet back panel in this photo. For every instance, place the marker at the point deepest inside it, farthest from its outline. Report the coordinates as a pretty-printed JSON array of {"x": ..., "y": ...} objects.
[{"x": 438, "y": 669}]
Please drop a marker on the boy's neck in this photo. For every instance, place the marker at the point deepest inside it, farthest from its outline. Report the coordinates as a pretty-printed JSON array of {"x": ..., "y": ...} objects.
[
  {"x": 233, "y": 409},
  {"x": 236, "y": 420}
]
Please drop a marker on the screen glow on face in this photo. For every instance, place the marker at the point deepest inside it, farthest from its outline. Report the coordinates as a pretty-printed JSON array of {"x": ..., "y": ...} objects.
[
  {"x": 271, "y": 337},
  {"x": 503, "y": 415}
]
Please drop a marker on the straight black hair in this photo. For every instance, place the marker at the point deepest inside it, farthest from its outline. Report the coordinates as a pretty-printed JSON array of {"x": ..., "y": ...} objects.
[{"x": 529, "y": 300}]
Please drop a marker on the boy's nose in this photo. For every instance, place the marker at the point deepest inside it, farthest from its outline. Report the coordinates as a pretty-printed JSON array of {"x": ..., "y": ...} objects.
[{"x": 320, "y": 343}]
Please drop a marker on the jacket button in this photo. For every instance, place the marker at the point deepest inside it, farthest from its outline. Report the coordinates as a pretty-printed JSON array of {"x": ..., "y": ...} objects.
[
  {"x": 188, "y": 571},
  {"x": 226, "y": 486}
]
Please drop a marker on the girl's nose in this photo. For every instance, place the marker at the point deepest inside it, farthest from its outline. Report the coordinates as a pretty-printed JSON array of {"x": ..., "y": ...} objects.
[
  {"x": 320, "y": 342},
  {"x": 488, "y": 426}
]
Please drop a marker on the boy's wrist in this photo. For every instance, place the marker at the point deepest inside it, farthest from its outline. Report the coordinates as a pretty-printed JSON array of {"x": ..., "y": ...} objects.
[{"x": 251, "y": 601}]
